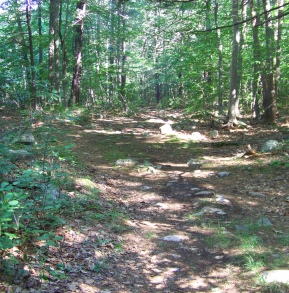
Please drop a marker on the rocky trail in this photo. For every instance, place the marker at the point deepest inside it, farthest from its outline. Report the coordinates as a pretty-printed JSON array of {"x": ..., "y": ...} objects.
[{"x": 176, "y": 207}]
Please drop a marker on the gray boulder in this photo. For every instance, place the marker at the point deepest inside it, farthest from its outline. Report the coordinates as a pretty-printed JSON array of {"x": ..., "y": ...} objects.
[{"x": 269, "y": 145}]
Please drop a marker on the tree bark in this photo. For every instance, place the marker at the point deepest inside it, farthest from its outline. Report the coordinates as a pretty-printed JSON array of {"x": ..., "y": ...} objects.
[
  {"x": 33, "y": 89},
  {"x": 267, "y": 77},
  {"x": 220, "y": 58},
  {"x": 53, "y": 55},
  {"x": 233, "y": 106},
  {"x": 256, "y": 55},
  {"x": 63, "y": 36},
  {"x": 76, "y": 79}
]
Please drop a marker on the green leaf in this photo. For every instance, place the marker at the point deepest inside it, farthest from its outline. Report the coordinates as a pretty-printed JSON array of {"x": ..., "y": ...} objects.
[
  {"x": 11, "y": 236},
  {"x": 44, "y": 237},
  {"x": 3, "y": 184},
  {"x": 52, "y": 243},
  {"x": 8, "y": 196},
  {"x": 13, "y": 202}
]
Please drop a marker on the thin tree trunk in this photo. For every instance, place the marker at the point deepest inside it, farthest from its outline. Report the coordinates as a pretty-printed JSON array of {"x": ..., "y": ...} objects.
[
  {"x": 256, "y": 56},
  {"x": 53, "y": 56},
  {"x": 33, "y": 89},
  {"x": 220, "y": 59},
  {"x": 122, "y": 91},
  {"x": 62, "y": 36}
]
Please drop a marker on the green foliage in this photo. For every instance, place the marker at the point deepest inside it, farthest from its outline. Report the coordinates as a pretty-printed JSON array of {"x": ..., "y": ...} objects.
[{"x": 30, "y": 201}]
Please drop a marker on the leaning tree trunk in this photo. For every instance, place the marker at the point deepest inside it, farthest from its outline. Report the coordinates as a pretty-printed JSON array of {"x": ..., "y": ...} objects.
[
  {"x": 76, "y": 79},
  {"x": 233, "y": 106}
]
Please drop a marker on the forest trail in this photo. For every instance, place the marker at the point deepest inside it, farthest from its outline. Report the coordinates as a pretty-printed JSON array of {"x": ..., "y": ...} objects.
[
  {"x": 174, "y": 213},
  {"x": 177, "y": 223}
]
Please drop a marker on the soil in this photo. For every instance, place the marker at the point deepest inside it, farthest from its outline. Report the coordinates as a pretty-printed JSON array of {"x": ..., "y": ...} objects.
[{"x": 158, "y": 196}]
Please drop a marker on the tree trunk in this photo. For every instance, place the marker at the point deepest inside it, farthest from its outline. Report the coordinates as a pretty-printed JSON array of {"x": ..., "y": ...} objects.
[
  {"x": 53, "y": 55},
  {"x": 256, "y": 56},
  {"x": 233, "y": 106},
  {"x": 220, "y": 59},
  {"x": 33, "y": 90},
  {"x": 76, "y": 79},
  {"x": 267, "y": 77},
  {"x": 63, "y": 36}
]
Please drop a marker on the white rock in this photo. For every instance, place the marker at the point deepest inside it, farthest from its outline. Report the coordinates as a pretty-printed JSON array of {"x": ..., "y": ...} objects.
[
  {"x": 281, "y": 276},
  {"x": 166, "y": 129},
  {"x": 174, "y": 238}
]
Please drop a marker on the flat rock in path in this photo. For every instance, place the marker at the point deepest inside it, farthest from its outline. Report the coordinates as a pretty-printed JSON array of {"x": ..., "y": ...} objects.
[
  {"x": 205, "y": 193},
  {"x": 210, "y": 210},
  {"x": 223, "y": 174},
  {"x": 174, "y": 238},
  {"x": 280, "y": 276},
  {"x": 126, "y": 162}
]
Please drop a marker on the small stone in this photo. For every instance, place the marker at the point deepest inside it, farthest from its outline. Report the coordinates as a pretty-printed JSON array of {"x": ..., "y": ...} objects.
[
  {"x": 194, "y": 189},
  {"x": 219, "y": 257},
  {"x": 144, "y": 188},
  {"x": 264, "y": 222},
  {"x": 205, "y": 193},
  {"x": 125, "y": 162},
  {"x": 209, "y": 210},
  {"x": 257, "y": 194},
  {"x": 242, "y": 228},
  {"x": 222, "y": 200},
  {"x": 194, "y": 164},
  {"x": 174, "y": 238},
  {"x": 213, "y": 133},
  {"x": 161, "y": 205},
  {"x": 280, "y": 276},
  {"x": 223, "y": 174}
]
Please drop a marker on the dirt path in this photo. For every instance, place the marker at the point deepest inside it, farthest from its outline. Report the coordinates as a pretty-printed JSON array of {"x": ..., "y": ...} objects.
[
  {"x": 152, "y": 238},
  {"x": 159, "y": 200}
]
